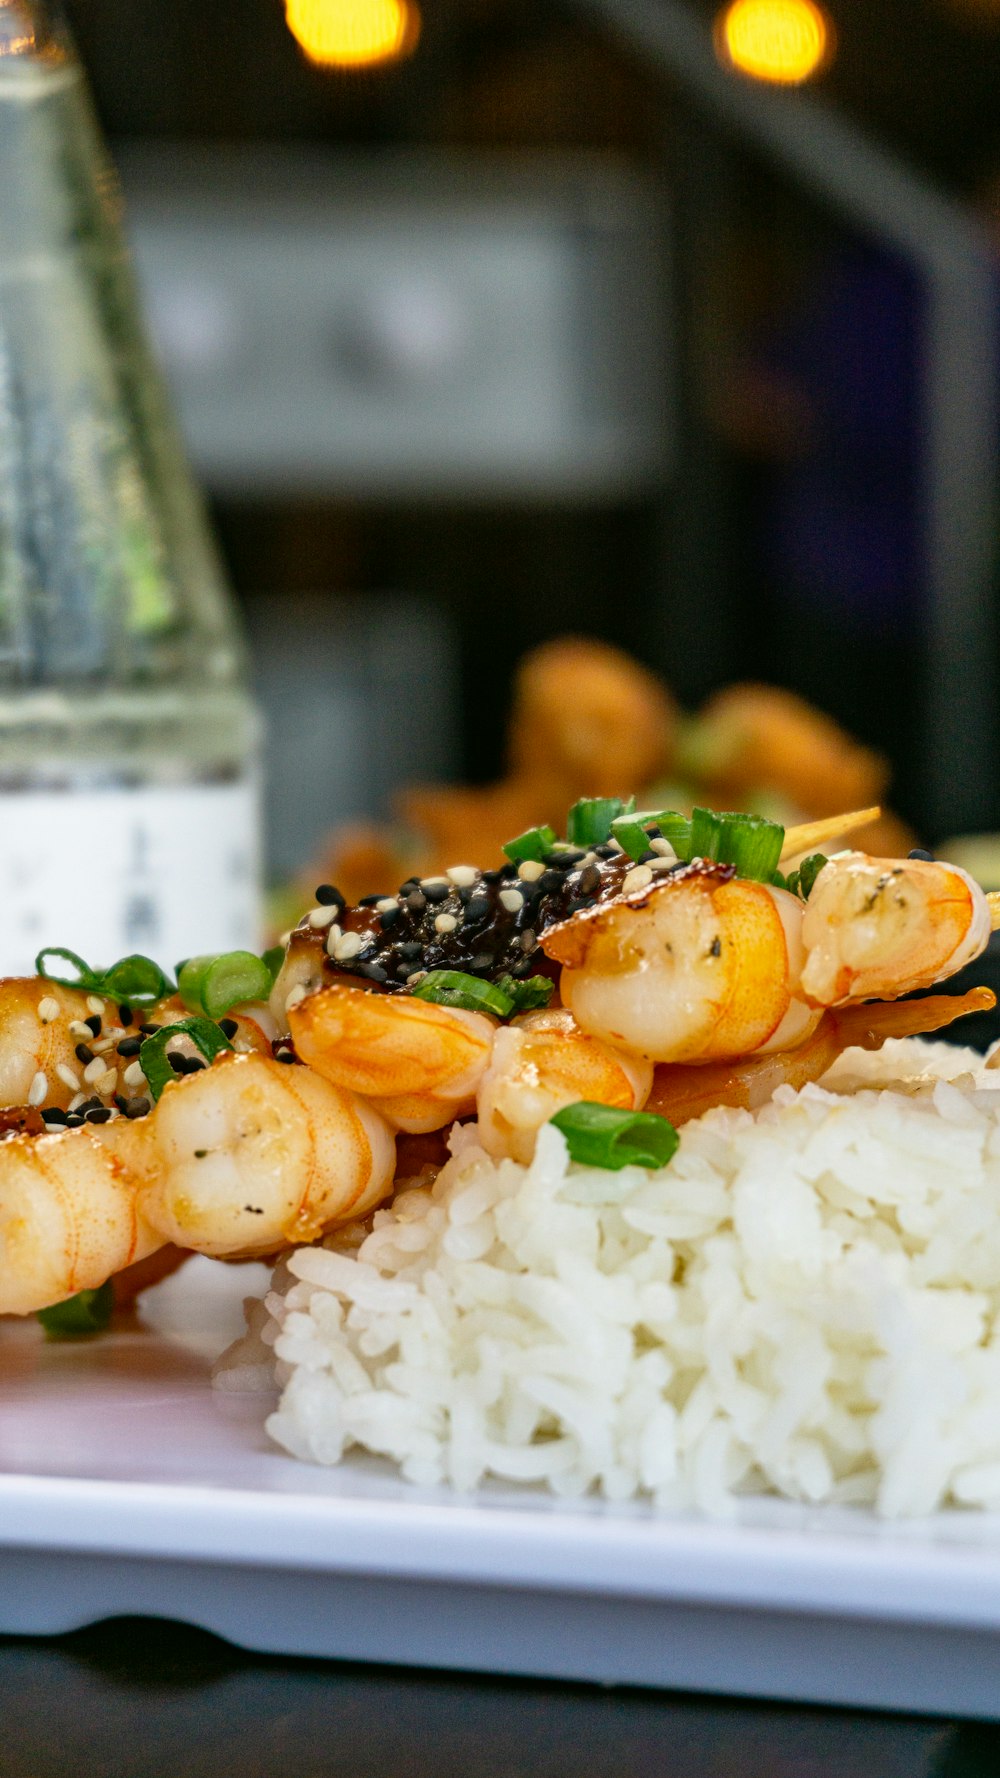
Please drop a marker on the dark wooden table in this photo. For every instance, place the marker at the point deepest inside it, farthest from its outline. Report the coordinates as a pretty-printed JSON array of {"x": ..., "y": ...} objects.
[{"x": 140, "y": 1699}]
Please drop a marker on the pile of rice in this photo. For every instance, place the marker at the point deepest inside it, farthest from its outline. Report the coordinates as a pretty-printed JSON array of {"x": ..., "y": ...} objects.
[{"x": 806, "y": 1301}]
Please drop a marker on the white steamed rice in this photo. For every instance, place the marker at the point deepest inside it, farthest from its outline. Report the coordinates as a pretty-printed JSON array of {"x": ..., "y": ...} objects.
[{"x": 806, "y": 1301}]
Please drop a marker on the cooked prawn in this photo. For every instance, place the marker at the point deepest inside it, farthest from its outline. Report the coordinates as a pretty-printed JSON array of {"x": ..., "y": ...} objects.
[
  {"x": 681, "y": 1092},
  {"x": 701, "y": 966},
  {"x": 542, "y": 1062},
  {"x": 419, "y": 1064},
  {"x": 242, "y": 1158}
]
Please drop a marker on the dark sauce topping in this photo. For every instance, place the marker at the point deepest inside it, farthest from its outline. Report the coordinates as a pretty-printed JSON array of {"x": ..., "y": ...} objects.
[{"x": 488, "y": 927}]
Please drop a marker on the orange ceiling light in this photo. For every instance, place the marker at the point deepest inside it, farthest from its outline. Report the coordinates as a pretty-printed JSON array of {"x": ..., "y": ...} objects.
[
  {"x": 783, "y": 41},
  {"x": 354, "y": 33}
]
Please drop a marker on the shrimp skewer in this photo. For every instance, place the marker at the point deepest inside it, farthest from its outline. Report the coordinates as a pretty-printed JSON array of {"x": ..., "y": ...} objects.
[{"x": 240, "y": 1159}]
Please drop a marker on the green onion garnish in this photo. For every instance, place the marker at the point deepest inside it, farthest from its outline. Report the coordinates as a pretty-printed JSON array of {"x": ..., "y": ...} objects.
[
  {"x": 272, "y": 961},
  {"x": 213, "y": 984},
  {"x": 601, "y": 1136},
  {"x": 589, "y": 821},
  {"x": 88, "y": 1312},
  {"x": 630, "y": 831},
  {"x": 534, "y": 991},
  {"x": 135, "y": 979},
  {"x": 534, "y": 843},
  {"x": 452, "y": 987},
  {"x": 153, "y": 1053},
  {"x": 808, "y": 871},
  {"x": 750, "y": 842}
]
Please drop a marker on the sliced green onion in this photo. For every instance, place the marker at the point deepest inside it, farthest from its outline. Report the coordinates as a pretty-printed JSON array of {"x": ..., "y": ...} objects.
[
  {"x": 630, "y": 830},
  {"x": 750, "y": 842},
  {"x": 452, "y": 987},
  {"x": 84, "y": 977},
  {"x": 601, "y": 1136},
  {"x": 272, "y": 961},
  {"x": 532, "y": 992},
  {"x": 88, "y": 1312},
  {"x": 137, "y": 980},
  {"x": 153, "y": 1053},
  {"x": 589, "y": 821},
  {"x": 809, "y": 870},
  {"x": 134, "y": 978},
  {"x": 533, "y": 843},
  {"x": 215, "y": 983}
]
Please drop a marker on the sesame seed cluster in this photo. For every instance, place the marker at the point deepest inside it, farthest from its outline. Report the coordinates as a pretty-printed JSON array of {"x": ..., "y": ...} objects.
[
  {"x": 107, "y": 1080},
  {"x": 483, "y": 923}
]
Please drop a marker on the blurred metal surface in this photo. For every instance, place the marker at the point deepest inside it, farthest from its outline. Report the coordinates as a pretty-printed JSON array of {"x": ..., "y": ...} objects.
[
  {"x": 418, "y": 326},
  {"x": 876, "y": 192}
]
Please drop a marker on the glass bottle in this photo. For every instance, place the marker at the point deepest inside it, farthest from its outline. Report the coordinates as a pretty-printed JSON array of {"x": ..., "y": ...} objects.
[{"x": 128, "y": 738}]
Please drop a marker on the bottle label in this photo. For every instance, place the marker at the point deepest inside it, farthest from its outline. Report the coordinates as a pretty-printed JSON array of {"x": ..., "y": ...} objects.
[{"x": 169, "y": 872}]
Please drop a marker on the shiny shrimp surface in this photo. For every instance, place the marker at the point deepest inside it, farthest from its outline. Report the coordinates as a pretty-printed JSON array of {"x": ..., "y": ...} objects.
[
  {"x": 419, "y": 1064},
  {"x": 542, "y": 1062},
  {"x": 242, "y": 1158}
]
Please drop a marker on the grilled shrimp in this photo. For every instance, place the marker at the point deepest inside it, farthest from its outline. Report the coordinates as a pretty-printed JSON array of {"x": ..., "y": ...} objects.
[
  {"x": 418, "y": 1064},
  {"x": 242, "y": 1158},
  {"x": 542, "y": 1062},
  {"x": 705, "y": 967}
]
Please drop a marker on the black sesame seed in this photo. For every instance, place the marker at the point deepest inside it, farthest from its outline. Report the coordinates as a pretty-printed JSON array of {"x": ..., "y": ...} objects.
[
  {"x": 148, "y": 1030},
  {"x": 129, "y": 1046},
  {"x": 411, "y": 883},
  {"x": 83, "y": 1052},
  {"x": 492, "y": 876},
  {"x": 388, "y": 917},
  {"x": 136, "y": 1107},
  {"x": 192, "y": 1064},
  {"x": 411, "y": 948},
  {"x": 405, "y": 970},
  {"x": 580, "y": 904},
  {"x": 550, "y": 881},
  {"x": 99, "y": 1115},
  {"x": 373, "y": 972},
  {"x": 416, "y": 902},
  {"x": 53, "y": 1115},
  {"x": 125, "y": 1016},
  {"x": 329, "y": 897},
  {"x": 435, "y": 892},
  {"x": 647, "y": 857},
  {"x": 285, "y": 1056},
  {"x": 477, "y": 909},
  {"x": 91, "y": 1104},
  {"x": 589, "y": 881},
  {"x": 368, "y": 901},
  {"x": 94, "y": 1022},
  {"x": 73, "y": 1120},
  {"x": 918, "y": 852},
  {"x": 228, "y": 1027},
  {"x": 120, "y": 1101},
  {"x": 482, "y": 963},
  {"x": 610, "y": 851},
  {"x": 523, "y": 968},
  {"x": 177, "y": 1063},
  {"x": 564, "y": 860}
]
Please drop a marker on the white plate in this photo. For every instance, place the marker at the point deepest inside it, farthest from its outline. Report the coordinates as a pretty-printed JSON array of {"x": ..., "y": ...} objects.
[{"x": 127, "y": 1486}]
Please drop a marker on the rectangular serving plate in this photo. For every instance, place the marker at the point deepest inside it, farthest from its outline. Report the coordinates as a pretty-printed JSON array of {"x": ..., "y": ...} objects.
[{"x": 127, "y": 1486}]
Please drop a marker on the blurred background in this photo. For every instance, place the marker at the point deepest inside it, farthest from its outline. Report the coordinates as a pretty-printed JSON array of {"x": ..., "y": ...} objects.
[{"x": 651, "y": 321}]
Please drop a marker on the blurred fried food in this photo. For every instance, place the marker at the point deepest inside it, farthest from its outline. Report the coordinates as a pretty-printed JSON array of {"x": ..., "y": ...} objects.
[{"x": 587, "y": 720}]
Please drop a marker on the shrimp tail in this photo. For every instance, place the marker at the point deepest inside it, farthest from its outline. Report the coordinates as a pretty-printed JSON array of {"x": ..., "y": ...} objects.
[{"x": 682, "y": 1091}]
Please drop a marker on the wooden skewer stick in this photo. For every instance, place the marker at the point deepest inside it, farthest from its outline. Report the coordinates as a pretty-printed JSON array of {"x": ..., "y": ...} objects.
[
  {"x": 994, "y": 900},
  {"x": 810, "y": 834}
]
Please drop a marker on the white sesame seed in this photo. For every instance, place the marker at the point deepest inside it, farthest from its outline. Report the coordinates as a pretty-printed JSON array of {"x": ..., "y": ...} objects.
[
  {"x": 662, "y": 864},
  {"x": 348, "y": 947},
  {"x": 445, "y": 923},
  {"x": 94, "y": 1070},
  {"x": 38, "y": 1090},
  {"x": 636, "y": 879},
  {"x": 323, "y": 917},
  {"x": 417, "y": 977},
  {"x": 463, "y": 875},
  {"x": 94, "y": 1004},
  {"x": 386, "y": 902},
  {"x": 616, "y": 845},
  {"x": 432, "y": 882},
  {"x": 75, "y": 1103},
  {"x": 663, "y": 847},
  {"x": 107, "y": 1082},
  {"x": 333, "y": 939},
  {"x": 285, "y": 936},
  {"x": 68, "y": 1078},
  {"x": 133, "y": 1075},
  {"x": 527, "y": 940},
  {"x": 588, "y": 858},
  {"x": 102, "y": 1045},
  {"x": 512, "y": 900},
  {"x": 81, "y": 1031},
  {"x": 530, "y": 870},
  {"x": 48, "y": 1009},
  {"x": 292, "y": 999}
]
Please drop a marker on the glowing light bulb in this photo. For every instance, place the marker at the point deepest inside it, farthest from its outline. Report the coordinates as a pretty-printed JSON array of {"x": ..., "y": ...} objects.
[
  {"x": 786, "y": 41},
  {"x": 353, "y": 33}
]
